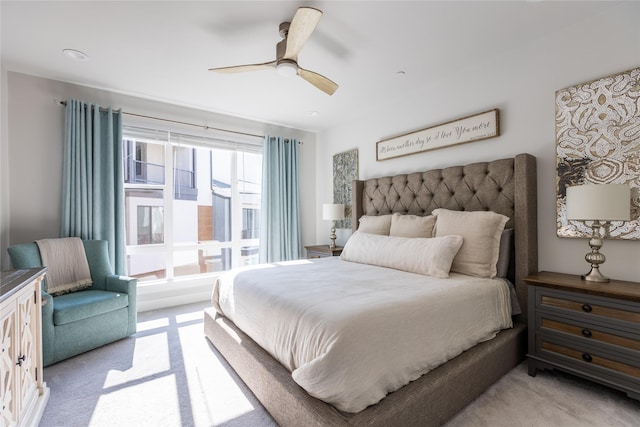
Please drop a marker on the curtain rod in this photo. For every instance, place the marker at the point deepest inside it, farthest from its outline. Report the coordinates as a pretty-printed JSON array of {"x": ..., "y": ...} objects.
[{"x": 64, "y": 103}]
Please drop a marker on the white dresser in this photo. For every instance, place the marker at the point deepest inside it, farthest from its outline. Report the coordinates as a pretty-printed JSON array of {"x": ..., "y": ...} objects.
[{"x": 23, "y": 393}]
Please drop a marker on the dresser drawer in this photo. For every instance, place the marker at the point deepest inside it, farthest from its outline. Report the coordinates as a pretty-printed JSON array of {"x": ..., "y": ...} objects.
[{"x": 593, "y": 309}]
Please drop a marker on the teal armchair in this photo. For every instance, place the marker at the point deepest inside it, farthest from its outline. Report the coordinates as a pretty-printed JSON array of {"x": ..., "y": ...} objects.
[{"x": 80, "y": 321}]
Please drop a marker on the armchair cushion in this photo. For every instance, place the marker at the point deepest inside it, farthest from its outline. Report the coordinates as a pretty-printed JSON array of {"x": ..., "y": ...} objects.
[{"x": 83, "y": 304}]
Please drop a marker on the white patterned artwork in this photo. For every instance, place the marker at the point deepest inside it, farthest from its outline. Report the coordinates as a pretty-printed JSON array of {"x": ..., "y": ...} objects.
[
  {"x": 598, "y": 142},
  {"x": 345, "y": 170}
]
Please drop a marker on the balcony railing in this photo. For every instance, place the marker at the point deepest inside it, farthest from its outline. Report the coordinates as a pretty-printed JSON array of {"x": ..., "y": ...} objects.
[{"x": 184, "y": 187}]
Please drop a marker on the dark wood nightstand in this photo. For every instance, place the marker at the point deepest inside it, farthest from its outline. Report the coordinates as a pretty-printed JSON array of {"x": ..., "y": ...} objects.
[
  {"x": 320, "y": 251},
  {"x": 585, "y": 328}
]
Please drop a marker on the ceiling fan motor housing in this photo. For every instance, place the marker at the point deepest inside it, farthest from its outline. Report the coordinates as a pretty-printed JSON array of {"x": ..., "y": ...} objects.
[
  {"x": 281, "y": 48},
  {"x": 284, "y": 29}
]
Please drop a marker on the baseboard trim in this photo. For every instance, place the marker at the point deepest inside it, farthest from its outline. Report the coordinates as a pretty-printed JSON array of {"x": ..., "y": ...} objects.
[
  {"x": 163, "y": 295},
  {"x": 35, "y": 413}
]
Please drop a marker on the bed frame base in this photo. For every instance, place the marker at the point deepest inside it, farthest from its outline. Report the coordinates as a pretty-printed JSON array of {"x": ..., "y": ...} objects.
[{"x": 431, "y": 400}]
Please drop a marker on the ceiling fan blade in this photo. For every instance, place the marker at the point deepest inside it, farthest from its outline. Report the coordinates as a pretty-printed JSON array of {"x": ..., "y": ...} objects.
[
  {"x": 302, "y": 25},
  {"x": 244, "y": 68},
  {"x": 319, "y": 81}
]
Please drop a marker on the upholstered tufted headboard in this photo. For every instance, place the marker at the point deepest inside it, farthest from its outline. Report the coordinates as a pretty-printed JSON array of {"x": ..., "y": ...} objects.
[{"x": 505, "y": 186}]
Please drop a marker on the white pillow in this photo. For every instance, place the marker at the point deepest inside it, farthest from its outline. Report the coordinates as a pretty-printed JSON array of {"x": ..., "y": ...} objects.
[
  {"x": 375, "y": 224},
  {"x": 431, "y": 257},
  {"x": 481, "y": 231},
  {"x": 412, "y": 225}
]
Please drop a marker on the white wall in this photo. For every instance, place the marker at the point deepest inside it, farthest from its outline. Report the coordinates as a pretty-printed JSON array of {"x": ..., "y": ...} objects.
[
  {"x": 4, "y": 171},
  {"x": 31, "y": 180},
  {"x": 522, "y": 84}
]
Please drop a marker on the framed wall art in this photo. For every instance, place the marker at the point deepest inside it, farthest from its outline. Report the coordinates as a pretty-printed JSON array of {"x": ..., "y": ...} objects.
[
  {"x": 598, "y": 142},
  {"x": 467, "y": 129},
  {"x": 345, "y": 170}
]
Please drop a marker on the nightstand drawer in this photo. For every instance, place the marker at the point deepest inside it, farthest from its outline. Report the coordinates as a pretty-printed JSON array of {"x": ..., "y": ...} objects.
[
  {"x": 583, "y": 358},
  {"x": 592, "y": 333},
  {"x": 321, "y": 251},
  {"x": 599, "y": 345},
  {"x": 589, "y": 308}
]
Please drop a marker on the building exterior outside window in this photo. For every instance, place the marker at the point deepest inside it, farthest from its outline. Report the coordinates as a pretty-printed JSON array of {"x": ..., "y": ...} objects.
[
  {"x": 206, "y": 221},
  {"x": 150, "y": 224}
]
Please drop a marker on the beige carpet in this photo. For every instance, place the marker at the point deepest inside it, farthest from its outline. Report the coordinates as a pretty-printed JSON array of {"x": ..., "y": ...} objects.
[{"x": 169, "y": 375}]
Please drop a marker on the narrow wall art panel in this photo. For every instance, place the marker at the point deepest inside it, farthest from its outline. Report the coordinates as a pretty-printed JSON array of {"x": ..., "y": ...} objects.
[
  {"x": 598, "y": 142},
  {"x": 345, "y": 170}
]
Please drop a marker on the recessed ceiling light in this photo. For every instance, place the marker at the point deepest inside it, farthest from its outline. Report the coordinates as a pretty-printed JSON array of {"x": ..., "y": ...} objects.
[
  {"x": 313, "y": 113},
  {"x": 400, "y": 73},
  {"x": 75, "y": 54}
]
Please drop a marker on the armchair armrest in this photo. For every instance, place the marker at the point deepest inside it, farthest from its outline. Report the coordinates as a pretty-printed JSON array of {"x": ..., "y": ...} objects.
[
  {"x": 47, "y": 300},
  {"x": 126, "y": 285}
]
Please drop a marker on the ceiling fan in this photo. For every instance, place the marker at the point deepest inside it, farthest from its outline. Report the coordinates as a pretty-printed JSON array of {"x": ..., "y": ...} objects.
[{"x": 294, "y": 35}]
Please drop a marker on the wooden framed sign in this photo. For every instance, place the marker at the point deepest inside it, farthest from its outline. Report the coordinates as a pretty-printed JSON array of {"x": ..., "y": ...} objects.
[{"x": 467, "y": 129}]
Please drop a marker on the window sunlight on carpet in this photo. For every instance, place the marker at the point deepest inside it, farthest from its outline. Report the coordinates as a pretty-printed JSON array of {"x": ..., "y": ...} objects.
[
  {"x": 223, "y": 402},
  {"x": 150, "y": 359},
  {"x": 173, "y": 378},
  {"x": 152, "y": 324},
  {"x": 108, "y": 410}
]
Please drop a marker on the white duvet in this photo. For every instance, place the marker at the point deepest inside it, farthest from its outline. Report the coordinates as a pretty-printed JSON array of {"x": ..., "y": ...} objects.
[{"x": 352, "y": 333}]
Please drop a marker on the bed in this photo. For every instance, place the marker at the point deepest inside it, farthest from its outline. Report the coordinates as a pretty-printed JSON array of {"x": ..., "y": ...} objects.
[{"x": 506, "y": 187}]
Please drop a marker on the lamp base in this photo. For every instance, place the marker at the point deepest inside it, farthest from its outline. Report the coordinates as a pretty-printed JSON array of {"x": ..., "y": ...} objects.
[
  {"x": 595, "y": 257},
  {"x": 333, "y": 237},
  {"x": 595, "y": 276}
]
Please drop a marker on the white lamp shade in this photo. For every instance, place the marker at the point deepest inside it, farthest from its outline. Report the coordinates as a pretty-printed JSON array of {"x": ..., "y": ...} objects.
[
  {"x": 332, "y": 212},
  {"x": 606, "y": 202}
]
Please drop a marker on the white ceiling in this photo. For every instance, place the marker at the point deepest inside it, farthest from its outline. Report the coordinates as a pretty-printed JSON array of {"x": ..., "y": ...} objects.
[{"x": 162, "y": 50}]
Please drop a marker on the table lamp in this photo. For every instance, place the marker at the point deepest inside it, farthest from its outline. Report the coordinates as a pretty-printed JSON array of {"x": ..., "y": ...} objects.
[
  {"x": 332, "y": 212},
  {"x": 598, "y": 203}
]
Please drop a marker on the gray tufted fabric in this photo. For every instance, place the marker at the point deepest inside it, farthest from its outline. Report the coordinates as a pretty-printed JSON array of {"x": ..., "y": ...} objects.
[
  {"x": 506, "y": 186},
  {"x": 476, "y": 187}
]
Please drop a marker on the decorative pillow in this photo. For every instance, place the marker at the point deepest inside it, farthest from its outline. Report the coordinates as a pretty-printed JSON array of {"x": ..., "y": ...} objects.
[
  {"x": 375, "y": 224},
  {"x": 481, "y": 231},
  {"x": 412, "y": 225},
  {"x": 431, "y": 257},
  {"x": 504, "y": 254}
]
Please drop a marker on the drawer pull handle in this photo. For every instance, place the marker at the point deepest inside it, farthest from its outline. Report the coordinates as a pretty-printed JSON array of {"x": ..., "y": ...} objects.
[
  {"x": 586, "y": 357},
  {"x": 586, "y": 308},
  {"x": 586, "y": 333},
  {"x": 21, "y": 359}
]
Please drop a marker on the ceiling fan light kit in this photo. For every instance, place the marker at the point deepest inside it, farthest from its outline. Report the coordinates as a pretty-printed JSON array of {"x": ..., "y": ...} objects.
[
  {"x": 287, "y": 68},
  {"x": 294, "y": 36}
]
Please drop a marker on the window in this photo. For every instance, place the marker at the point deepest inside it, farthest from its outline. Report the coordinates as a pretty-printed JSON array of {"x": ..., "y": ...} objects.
[
  {"x": 207, "y": 221},
  {"x": 150, "y": 225},
  {"x": 250, "y": 223}
]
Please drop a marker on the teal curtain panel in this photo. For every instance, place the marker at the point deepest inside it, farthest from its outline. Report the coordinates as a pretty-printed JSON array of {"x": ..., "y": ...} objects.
[
  {"x": 93, "y": 180},
  {"x": 280, "y": 210}
]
